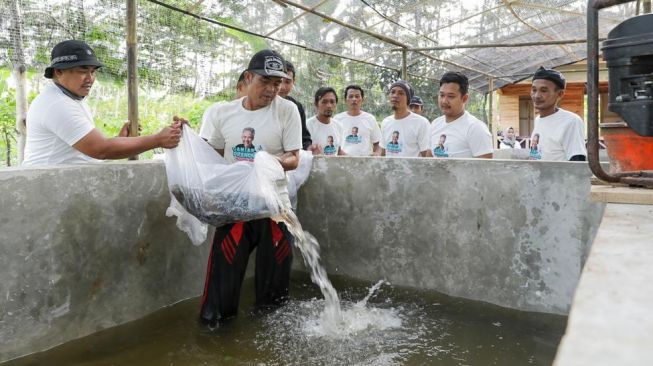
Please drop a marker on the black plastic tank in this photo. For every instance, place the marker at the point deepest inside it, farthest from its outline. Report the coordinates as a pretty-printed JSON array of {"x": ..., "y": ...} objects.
[{"x": 628, "y": 52}]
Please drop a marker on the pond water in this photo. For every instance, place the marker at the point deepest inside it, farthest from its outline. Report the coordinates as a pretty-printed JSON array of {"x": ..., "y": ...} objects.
[{"x": 382, "y": 325}]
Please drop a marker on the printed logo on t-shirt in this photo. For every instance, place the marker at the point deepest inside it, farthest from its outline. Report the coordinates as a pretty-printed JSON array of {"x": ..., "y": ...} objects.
[
  {"x": 247, "y": 150},
  {"x": 354, "y": 138},
  {"x": 330, "y": 148},
  {"x": 536, "y": 150},
  {"x": 440, "y": 150},
  {"x": 393, "y": 146}
]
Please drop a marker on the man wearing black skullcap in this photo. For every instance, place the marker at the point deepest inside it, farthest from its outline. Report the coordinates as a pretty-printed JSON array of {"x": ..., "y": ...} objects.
[
  {"x": 403, "y": 133},
  {"x": 60, "y": 128},
  {"x": 560, "y": 132},
  {"x": 275, "y": 123}
]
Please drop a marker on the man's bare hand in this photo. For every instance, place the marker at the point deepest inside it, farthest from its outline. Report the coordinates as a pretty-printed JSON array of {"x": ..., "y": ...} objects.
[
  {"x": 316, "y": 149},
  {"x": 169, "y": 137},
  {"x": 126, "y": 129}
]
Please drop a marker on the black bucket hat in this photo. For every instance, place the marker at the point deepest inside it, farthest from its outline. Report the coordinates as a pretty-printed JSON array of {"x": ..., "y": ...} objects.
[
  {"x": 69, "y": 54},
  {"x": 268, "y": 63}
]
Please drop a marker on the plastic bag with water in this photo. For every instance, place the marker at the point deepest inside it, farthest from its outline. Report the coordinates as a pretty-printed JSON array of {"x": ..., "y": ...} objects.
[{"x": 216, "y": 192}]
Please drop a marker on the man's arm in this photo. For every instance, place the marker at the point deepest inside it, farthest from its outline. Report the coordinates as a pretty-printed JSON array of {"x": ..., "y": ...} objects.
[
  {"x": 429, "y": 154},
  {"x": 376, "y": 150},
  {"x": 484, "y": 156},
  {"x": 97, "y": 146},
  {"x": 289, "y": 160}
]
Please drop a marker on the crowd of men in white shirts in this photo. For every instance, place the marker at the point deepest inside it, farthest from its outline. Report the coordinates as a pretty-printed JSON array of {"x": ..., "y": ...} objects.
[{"x": 455, "y": 134}]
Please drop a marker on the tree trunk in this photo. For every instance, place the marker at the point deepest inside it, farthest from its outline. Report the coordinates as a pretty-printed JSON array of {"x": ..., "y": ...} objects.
[{"x": 20, "y": 77}]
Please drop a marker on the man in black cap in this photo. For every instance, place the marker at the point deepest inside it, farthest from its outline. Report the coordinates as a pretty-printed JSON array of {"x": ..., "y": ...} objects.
[
  {"x": 416, "y": 105},
  {"x": 278, "y": 132},
  {"x": 287, "y": 85},
  {"x": 60, "y": 126},
  {"x": 403, "y": 133},
  {"x": 560, "y": 132}
]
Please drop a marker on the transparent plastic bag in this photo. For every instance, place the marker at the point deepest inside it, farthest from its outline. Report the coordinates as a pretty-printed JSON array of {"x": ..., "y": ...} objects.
[
  {"x": 297, "y": 177},
  {"x": 217, "y": 192}
]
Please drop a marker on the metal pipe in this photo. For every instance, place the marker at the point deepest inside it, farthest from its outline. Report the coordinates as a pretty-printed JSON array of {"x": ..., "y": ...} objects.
[
  {"x": 496, "y": 45},
  {"x": 404, "y": 66},
  {"x": 132, "y": 71},
  {"x": 636, "y": 178}
]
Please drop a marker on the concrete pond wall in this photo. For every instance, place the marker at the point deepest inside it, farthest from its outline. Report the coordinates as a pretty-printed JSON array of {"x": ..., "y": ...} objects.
[{"x": 84, "y": 248}]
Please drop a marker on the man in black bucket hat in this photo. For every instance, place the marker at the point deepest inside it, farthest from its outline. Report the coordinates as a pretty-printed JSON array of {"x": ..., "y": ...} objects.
[
  {"x": 278, "y": 132},
  {"x": 60, "y": 128}
]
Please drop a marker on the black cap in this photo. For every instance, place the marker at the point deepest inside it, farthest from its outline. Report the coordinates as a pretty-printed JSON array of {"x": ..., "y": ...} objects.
[
  {"x": 404, "y": 85},
  {"x": 268, "y": 63},
  {"x": 69, "y": 54},
  {"x": 551, "y": 75},
  {"x": 416, "y": 101}
]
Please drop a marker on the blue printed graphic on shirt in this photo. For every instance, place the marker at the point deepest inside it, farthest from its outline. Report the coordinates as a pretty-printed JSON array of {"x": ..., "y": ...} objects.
[
  {"x": 535, "y": 154},
  {"x": 441, "y": 152},
  {"x": 393, "y": 147},
  {"x": 354, "y": 139},
  {"x": 330, "y": 150},
  {"x": 242, "y": 153}
]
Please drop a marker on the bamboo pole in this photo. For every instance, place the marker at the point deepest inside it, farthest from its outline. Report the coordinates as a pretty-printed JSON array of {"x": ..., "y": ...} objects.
[{"x": 132, "y": 71}]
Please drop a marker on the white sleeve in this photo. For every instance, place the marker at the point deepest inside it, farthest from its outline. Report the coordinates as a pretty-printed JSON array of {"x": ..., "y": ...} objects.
[
  {"x": 70, "y": 124},
  {"x": 209, "y": 129},
  {"x": 292, "y": 132},
  {"x": 381, "y": 139},
  {"x": 423, "y": 135},
  {"x": 479, "y": 139},
  {"x": 573, "y": 140},
  {"x": 375, "y": 135}
]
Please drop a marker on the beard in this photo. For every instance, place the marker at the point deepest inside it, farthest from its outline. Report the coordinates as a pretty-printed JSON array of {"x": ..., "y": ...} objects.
[{"x": 327, "y": 113}]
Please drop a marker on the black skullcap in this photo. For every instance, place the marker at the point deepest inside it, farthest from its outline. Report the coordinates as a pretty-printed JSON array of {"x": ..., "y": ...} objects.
[{"x": 551, "y": 75}]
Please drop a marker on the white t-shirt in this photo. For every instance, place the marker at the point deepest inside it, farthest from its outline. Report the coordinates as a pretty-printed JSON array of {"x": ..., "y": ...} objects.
[
  {"x": 277, "y": 128},
  {"x": 55, "y": 122},
  {"x": 360, "y": 142},
  {"x": 328, "y": 136},
  {"x": 560, "y": 136},
  {"x": 466, "y": 137},
  {"x": 405, "y": 137}
]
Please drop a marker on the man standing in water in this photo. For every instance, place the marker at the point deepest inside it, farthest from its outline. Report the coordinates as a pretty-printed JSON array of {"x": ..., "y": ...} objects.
[
  {"x": 278, "y": 132},
  {"x": 368, "y": 133}
]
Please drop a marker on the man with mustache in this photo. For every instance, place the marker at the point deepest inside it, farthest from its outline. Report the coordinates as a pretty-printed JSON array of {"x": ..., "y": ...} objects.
[
  {"x": 560, "y": 132},
  {"x": 323, "y": 127},
  {"x": 368, "y": 134},
  {"x": 60, "y": 128},
  {"x": 404, "y": 133},
  {"x": 278, "y": 132},
  {"x": 466, "y": 135}
]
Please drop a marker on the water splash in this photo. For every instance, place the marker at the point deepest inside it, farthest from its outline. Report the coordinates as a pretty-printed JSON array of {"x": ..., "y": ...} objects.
[{"x": 310, "y": 250}]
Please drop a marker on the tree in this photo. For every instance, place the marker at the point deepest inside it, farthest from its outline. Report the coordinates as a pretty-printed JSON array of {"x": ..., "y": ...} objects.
[{"x": 19, "y": 74}]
